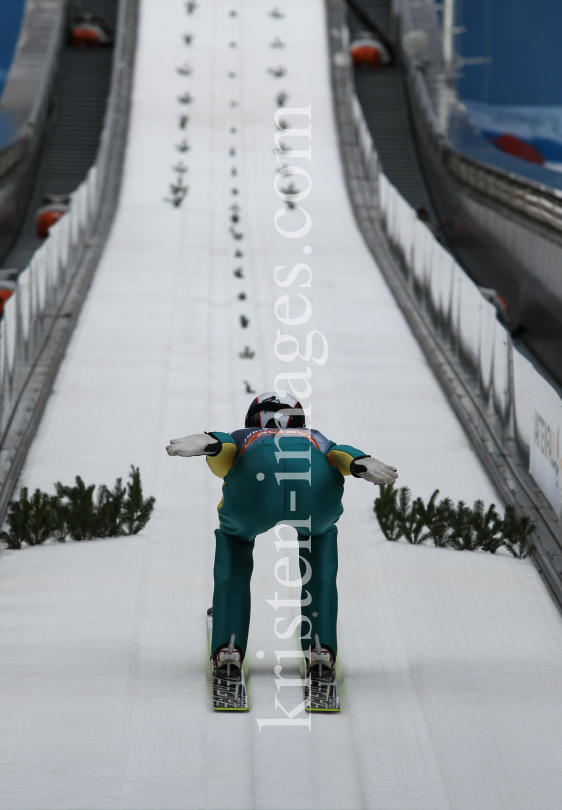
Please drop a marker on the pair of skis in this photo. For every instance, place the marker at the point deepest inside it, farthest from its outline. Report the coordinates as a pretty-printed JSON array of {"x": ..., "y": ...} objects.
[{"x": 229, "y": 684}]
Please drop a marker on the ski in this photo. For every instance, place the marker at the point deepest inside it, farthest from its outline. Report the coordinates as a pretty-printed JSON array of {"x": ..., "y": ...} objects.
[
  {"x": 321, "y": 687},
  {"x": 229, "y": 689}
]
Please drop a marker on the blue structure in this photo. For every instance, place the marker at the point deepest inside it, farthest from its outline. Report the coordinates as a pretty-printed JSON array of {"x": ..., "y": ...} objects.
[
  {"x": 11, "y": 15},
  {"x": 519, "y": 91},
  {"x": 522, "y": 38}
]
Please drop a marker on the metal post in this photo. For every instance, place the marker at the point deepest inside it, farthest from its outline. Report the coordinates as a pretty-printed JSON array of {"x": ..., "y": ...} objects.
[{"x": 448, "y": 32}]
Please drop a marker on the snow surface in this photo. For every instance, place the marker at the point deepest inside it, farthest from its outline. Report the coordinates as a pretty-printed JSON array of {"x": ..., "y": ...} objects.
[{"x": 450, "y": 662}]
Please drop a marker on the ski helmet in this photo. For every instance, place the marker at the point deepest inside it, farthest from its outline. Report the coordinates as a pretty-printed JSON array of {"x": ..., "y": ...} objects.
[{"x": 264, "y": 412}]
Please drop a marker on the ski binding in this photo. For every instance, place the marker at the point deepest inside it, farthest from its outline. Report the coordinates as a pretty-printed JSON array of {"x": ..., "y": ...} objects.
[
  {"x": 229, "y": 683},
  {"x": 321, "y": 686}
]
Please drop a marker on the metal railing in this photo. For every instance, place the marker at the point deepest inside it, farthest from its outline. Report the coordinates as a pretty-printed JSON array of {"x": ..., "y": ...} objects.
[
  {"x": 29, "y": 313},
  {"x": 504, "y": 404},
  {"x": 39, "y": 317},
  {"x": 12, "y": 155},
  {"x": 461, "y": 313},
  {"x": 534, "y": 203}
]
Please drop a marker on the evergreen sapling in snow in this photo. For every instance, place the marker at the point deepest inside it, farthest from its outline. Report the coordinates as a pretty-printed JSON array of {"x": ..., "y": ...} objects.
[
  {"x": 387, "y": 513},
  {"x": 110, "y": 510},
  {"x": 516, "y": 531},
  {"x": 77, "y": 511},
  {"x": 136, "y": 510},
  {"x": 458, "y": 527},
  {"x": 30, "y": 520}
]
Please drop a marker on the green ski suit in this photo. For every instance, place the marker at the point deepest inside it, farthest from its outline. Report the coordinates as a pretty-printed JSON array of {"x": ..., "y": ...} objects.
[{"x": 271, "y": 477}]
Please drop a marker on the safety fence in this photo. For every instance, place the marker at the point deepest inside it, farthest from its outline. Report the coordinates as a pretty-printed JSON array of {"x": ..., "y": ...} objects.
[
  {"x": 41, "y": 288},
  {"x": 51, "y": 289},
  {"x": 526, "y": 406}
]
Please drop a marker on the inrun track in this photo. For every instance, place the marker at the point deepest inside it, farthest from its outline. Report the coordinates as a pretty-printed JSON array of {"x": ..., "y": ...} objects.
[{"x": 450, "y": 662}]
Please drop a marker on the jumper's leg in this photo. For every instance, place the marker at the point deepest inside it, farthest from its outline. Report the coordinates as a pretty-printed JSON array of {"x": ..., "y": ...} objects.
[
  {"x": 322, "y": 612},
  {"x": 234, "y": 563}
]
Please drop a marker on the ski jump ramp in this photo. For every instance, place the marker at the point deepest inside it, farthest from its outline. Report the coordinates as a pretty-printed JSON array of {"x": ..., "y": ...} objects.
[{"x": 450, "y": 662}]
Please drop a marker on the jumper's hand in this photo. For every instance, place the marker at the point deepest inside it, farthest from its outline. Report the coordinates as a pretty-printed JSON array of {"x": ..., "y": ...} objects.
[
  {"x": 199, "y": 444},
  {"x": 373, "y": 470}
]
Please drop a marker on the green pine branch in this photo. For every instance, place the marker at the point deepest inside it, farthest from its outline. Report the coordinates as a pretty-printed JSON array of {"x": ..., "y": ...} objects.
[
  {"x": 77, "y": 512},
  {"x": 447, "y": 525},
  {"x": 136, "y": 510}
]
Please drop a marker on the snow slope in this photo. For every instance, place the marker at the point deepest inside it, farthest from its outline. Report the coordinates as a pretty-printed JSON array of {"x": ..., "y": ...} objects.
[{"x": 450, "y": 662}]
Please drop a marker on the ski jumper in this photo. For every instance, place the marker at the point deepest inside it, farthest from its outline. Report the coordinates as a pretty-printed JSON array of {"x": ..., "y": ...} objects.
[{"x": 293, "y": 476}]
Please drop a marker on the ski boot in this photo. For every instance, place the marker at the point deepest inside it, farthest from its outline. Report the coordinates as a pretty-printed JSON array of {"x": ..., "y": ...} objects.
[
  {"x": 322, "y": 661},
  {"x": 229, "y": 684},
  {"x": 321, "y": 687},
  {"x": 227, "y": 661}
]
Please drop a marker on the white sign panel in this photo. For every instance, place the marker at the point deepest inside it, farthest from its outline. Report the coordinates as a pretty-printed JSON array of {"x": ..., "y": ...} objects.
[{"x": 546, "y": 441}]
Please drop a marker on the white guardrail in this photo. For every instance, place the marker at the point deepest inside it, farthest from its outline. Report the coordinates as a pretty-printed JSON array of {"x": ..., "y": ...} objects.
[
  {"x": 39, "y": 316},
  {"x": 528, "y": 407},
  {"x": 41, "y": 288}
]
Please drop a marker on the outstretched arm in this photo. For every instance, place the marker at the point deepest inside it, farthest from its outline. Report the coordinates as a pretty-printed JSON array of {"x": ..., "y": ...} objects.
[
  {"x": 351, "y": 461},
  {"x": 220, "y": 449},
  {"x": 198, "y": 444},
  {"x": 373, "y": 470}
]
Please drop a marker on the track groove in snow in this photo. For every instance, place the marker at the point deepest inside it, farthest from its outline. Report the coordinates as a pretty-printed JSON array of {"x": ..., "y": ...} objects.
[{"x": 450, "y": 661}]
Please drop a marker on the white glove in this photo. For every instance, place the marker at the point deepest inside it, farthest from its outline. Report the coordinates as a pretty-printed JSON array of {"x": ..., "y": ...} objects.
[
  {"x": 373, "y": 470},
  {"x": 200, "y": 444}
]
